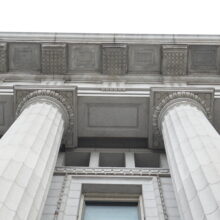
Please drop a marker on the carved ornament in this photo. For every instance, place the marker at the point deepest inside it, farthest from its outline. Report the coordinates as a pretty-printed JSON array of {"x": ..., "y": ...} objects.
[
  {"x": 63, "y": 98},
  {"x": 162, "y": 99}
]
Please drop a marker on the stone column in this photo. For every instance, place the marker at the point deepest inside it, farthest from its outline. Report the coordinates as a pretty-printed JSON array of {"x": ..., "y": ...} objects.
[
  {"x": 28, "y": 153},
  {"x": 193, "y": 150}
]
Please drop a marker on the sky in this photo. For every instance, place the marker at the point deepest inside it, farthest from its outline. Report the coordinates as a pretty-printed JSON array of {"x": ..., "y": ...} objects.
[{"x": 111, "y": 16}]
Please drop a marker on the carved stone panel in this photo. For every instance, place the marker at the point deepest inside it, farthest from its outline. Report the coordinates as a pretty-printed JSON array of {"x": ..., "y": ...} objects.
[
  {"x": 53, "y": 59},
  {"x": 160, "y": 97},
  {"x": 3, "y": 57},
  {"x": 144, "y": 58},
  {"x": 24, "y": 57},
  {"x": 84, "y": 58},
  {"x": 114, "y": 59},
  {"x": 174, "y": 62},
  {"x": 204, "y": 59}
]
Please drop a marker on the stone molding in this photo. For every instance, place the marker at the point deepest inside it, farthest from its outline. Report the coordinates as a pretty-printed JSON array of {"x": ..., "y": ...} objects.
[
  {"x": 174, "y": 62},
  {"x": 112, "y": 171},
  {"x": 63, "y": 98},
  {"x": 54, "y": 37},
  {"x": 163, "y": 99}
]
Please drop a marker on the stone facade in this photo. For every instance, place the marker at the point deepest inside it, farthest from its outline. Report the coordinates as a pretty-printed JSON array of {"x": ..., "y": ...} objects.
[{"x": 92, "y": 117}]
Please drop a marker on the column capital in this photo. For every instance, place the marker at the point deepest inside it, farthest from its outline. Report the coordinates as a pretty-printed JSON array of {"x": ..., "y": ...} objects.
[
  {"x": 62, "y": 98},
  {"x": 163, "y": 99}
]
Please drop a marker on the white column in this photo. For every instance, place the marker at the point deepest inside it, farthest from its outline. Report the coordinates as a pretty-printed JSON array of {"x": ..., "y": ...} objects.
[
  {"x": 193, "y": 150},
  {"x": 28, "y": 153}
]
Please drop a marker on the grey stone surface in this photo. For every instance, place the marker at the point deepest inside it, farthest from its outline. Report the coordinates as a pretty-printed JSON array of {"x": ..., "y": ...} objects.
[
  {"x": 24, "y": 57},
  {"x": 144, "y": 59},
  {"x": 84, "y": 58},
  {"x": 112, "y": 117},
  {"x": 204, "y": 59}
]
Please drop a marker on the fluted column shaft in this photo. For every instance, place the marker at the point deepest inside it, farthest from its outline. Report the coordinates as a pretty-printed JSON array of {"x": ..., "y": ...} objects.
[
  {"x": 28, "y": 153},
  {"x": 193, "y": 150}
]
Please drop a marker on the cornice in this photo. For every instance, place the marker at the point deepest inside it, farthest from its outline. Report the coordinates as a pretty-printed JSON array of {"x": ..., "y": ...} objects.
[{"x": 108, "y": 38}]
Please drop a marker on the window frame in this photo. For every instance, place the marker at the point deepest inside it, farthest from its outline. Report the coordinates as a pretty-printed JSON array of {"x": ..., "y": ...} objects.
[{"x": 107, "y": 197}]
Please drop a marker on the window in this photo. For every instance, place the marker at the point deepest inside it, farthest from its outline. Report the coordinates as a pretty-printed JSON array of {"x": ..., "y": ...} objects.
[
  {"x": 111, "y": 202},
  {"x": 103, "y": 210}
]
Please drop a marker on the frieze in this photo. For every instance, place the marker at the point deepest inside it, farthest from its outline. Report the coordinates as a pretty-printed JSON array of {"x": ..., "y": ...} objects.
[
  {"x": 53, "y": 59},
  {"x": 3, "y": 57},
  {"x": 174, "y": 62},
  {"x": 64, "y": 97},
  {"x": 161, "y": 98}
]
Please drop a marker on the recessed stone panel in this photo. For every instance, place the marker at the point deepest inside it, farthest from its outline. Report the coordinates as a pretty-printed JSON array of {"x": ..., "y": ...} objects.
[
  {"x": 3, "y": 57},
  {"x": 204, "y": 59},
  {"x": 114, "y": 59},
  {"x": 144, "y": 58},
  {"x": 84, "y": 58},
  {"x": 174, "y": 62},
  {"x": 112, "y": 117},
  {"x": 24, "y": 57}
]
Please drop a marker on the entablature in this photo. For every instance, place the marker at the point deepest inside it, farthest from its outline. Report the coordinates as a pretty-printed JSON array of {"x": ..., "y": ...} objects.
[{"x": 109, "y": 57}]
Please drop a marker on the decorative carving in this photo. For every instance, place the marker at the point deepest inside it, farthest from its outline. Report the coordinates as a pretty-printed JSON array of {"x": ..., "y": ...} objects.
[
  {"x": 61, "y": 196},
  {"x": 48, "y": 96},
  {"x": 3, "y": 57},
  {"x": 63, "y": 98},
  {"x": 144, "y": 58},
  {"x": 164, "y": 98},
  {"x": 162, "y": 198},
  {"x": 174, "y": 60},
  {"x": 112, "y": 171},
  {"x": 204, "y": 59},
  {"x": 114, "y": 59},
  {"x": 54, "y": 59},
  {"x": 84, "y": 58}
]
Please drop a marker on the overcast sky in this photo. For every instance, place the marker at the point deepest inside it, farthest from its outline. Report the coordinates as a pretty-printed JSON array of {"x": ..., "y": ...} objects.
[{"x": 111, "y": 16}]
